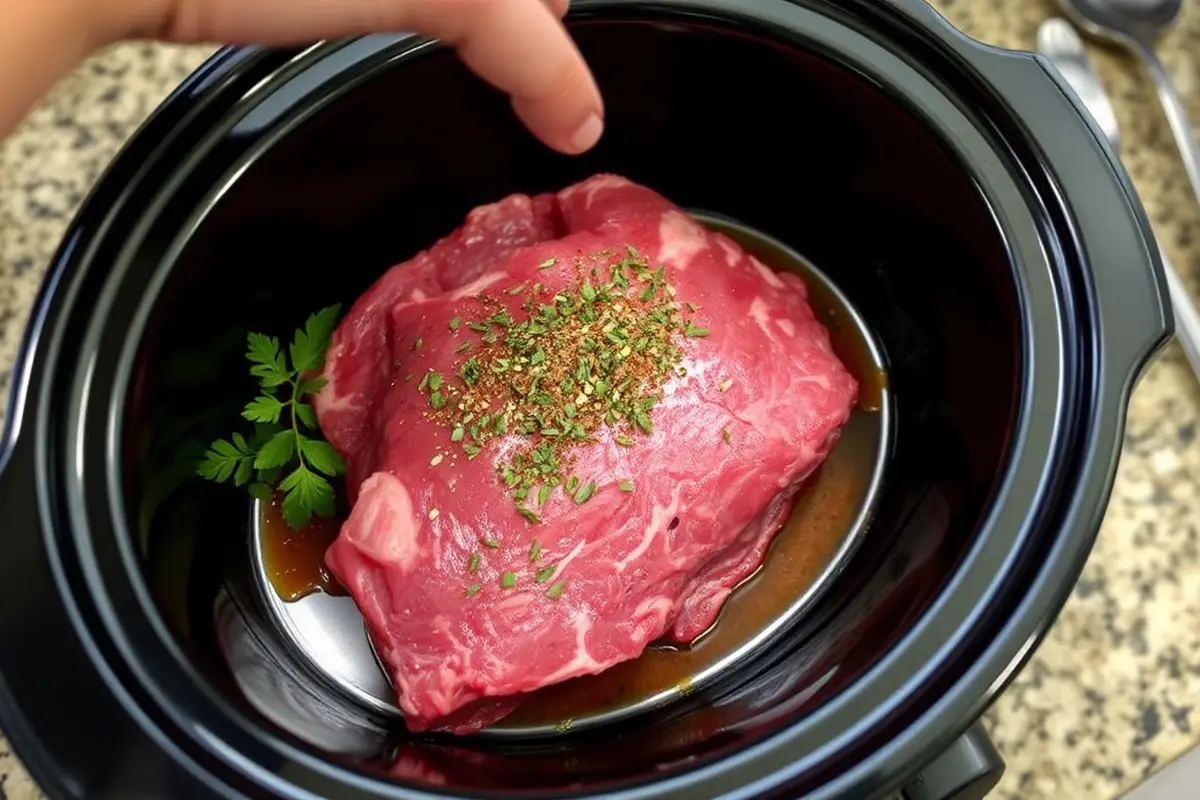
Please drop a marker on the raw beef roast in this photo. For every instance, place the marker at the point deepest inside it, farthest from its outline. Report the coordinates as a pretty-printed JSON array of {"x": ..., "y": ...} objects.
[{"x": 571, "y": 427}]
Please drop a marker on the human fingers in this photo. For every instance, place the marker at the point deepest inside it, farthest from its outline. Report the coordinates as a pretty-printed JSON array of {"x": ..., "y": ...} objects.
[{"x": 519, "y": 46}]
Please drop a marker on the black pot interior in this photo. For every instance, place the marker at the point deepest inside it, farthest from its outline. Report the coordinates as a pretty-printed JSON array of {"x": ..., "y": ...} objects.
[{"x": 731, "y": 120}]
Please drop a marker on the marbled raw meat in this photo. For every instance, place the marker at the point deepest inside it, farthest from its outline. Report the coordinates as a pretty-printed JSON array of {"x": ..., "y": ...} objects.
[{"x": 657, "y": 562}]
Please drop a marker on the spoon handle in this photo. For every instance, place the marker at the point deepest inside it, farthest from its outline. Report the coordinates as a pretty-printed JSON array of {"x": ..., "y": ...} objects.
[
  {"x": 1176, "y": 113},
  {"x": 1187, "y": 319}
]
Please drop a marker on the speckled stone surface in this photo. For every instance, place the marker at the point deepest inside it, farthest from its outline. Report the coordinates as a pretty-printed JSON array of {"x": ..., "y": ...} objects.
[{"x": 1110, "y": 696}]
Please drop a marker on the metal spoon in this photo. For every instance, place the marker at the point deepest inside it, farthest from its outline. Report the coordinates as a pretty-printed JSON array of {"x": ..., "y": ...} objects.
[
  {"x": 1135, "y": 24},
  {"x": 1059, "y": 43}
]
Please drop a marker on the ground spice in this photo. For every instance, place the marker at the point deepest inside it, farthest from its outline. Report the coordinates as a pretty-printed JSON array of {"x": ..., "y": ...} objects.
[
  {"x": 578, "y": 360},
  {"x": 595, "y": 356}
]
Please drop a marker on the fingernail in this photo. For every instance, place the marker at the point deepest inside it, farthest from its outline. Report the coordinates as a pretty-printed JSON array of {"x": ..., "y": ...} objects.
[{"x": 587, "y": 134}]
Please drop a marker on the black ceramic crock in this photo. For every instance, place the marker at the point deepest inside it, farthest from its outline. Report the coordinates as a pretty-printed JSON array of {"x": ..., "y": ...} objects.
[{"x": 954, "y": 192}]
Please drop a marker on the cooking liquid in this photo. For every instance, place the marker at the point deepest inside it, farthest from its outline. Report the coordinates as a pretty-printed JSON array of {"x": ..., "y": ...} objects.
[
  {"x": 821, "y": 518},
  {"x": 295, "y": 560}
]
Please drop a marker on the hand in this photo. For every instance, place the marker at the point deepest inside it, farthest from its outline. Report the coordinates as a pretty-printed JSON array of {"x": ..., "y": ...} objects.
[{"x": 519, "y": 46}]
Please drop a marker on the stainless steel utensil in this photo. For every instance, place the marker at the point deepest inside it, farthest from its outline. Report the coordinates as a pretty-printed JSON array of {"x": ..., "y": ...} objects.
[
  {"x": 1060, "y": 44},
  {"x": 1134, "y": 25}
]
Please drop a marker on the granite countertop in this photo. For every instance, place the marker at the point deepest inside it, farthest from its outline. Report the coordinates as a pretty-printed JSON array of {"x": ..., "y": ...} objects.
[{"x": 1109, "y": 697}]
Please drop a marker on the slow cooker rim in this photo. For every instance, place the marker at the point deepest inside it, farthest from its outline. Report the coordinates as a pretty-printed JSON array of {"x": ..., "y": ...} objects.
[
  {"x": 659, "y": 784},
  {"x": 27, "y": 379},
  {"x": 64, "y": 257}
]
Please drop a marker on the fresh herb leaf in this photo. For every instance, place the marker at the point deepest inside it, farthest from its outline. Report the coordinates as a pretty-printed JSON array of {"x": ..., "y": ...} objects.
[
  {"x": 267, "y": 362},
  {"x": 306, "y": 414},
  {"x": 278, "y": 451},
  {"x": 585, "y": 493},
  {"x": 244, "y": 472},
  {"x": 309, "y": 345},
  {"x": 221, "y": 460},
  {"x": 285, "y": 424},
  {"x": 264, "y": 408},
  {"x": 322, "y": 457},
  {"x": 305, "y": 493}
]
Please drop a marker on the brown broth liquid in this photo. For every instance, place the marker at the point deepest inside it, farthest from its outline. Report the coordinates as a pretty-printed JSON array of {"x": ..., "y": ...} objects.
[
  {"x": 295, "y": 560},
  {"x": 820, "y": 520}
]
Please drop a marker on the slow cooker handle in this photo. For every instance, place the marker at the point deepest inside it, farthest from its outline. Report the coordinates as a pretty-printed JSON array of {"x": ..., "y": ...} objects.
[
  {"x": 1136, "y": 314},
  {"x": 967, "y": 770}
]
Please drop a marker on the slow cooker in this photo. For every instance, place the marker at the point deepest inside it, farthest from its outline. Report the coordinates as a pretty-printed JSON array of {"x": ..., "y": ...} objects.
[{"x": 955, "y": 193}]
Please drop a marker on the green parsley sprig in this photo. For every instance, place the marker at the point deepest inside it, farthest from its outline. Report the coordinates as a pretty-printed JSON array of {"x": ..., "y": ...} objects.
[{"x": 286, "y": 437}]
